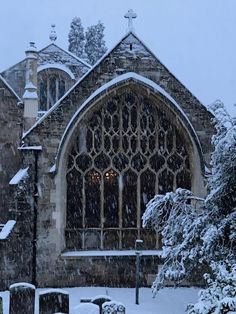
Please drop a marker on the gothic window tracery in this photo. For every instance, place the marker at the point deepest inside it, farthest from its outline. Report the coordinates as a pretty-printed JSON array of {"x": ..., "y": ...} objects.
[
  {"x": 126, "y": 150},
  {"x": 53, "y": 84}
]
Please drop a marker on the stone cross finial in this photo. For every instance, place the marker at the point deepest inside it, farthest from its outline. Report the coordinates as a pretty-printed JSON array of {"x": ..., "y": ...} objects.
[
  {"x": 53, "y": 34},
  {"x": 130, "y": 15}
]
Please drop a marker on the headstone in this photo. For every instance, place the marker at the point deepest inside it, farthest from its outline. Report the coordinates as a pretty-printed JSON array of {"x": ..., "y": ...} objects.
[
  {"x": 87, "y": 308},
  {"x": 99, "y": 300},
  {"x": 1, "y": 306},
  {"x": 53, "y": 301},
  {"x": 113, "y": 307},
  {"x": 22, "y": 298}
]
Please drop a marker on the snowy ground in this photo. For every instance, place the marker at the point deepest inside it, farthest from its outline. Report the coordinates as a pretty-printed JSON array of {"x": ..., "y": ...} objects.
[{"x": 167, "y": 301}]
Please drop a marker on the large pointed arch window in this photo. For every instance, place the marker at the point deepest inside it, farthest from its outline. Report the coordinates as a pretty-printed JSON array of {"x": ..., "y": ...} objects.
[{"x": 126, "y": 150}]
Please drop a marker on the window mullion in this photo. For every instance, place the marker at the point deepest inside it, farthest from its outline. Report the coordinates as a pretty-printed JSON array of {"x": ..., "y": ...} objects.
[
  {"x": 102, "y": 211},
  {"x": 83, "y": 211}
]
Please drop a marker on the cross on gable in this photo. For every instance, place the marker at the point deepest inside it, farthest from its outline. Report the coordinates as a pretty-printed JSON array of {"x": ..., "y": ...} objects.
[{"x": 130, "y": 15}]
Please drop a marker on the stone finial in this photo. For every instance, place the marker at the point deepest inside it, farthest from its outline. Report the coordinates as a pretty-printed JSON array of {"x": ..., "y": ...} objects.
[
  {"x": 31, "y": 47},
  {"x": 130, "y": 15},
  {"x": 53, "y": 34}
]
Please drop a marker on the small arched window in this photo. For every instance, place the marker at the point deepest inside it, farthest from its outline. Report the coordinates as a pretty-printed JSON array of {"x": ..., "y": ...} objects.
[
  {"x": 126, "y": 150},
  {"x": 53, "y": 84}
]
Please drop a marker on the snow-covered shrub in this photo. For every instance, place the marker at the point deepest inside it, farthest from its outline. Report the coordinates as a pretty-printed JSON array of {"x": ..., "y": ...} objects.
[
  {"x": 180, "y": 225},
  {"x": 220, "y": 295}
]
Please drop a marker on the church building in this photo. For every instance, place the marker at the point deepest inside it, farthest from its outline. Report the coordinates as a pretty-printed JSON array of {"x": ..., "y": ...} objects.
[{"x": 83, "y": 149}]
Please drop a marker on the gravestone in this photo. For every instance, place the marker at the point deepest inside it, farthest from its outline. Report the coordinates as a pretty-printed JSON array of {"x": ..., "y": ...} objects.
[
  {"x": 53, "y": 301},
  {"x": 87, "y": 308},
  {"x": 99, "y": 300},
  {"x": 113, "y": 307},
  {"x": 22, "y": 298},
  {"x": 1, "y": 306}
]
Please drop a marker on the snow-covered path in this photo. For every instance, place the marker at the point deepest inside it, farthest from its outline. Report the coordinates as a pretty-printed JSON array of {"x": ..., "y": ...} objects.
[{"x": 167, "y": 301}]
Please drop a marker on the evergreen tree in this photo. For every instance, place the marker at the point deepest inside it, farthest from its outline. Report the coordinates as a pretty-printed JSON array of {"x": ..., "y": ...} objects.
[
  {"x": 220, "y": 294},
  {"x": 193, "y": 236},
  {"x": 95, "y": 45},
  {"x": 76, "y": 37}
]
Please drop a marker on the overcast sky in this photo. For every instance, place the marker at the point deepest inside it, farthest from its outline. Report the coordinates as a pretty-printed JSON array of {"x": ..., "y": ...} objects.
[{"x": 195, "y": 39}]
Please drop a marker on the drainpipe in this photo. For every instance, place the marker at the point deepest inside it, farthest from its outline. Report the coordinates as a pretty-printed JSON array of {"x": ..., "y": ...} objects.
[{"x": 35, "y": 218}]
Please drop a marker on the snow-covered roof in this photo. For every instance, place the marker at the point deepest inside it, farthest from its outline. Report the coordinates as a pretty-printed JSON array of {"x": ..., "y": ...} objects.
[
  {"x": 67, "y": 52},
  {"x": 20, "y": 175},
  {"x": 10, "y": 88},
  {"x": 6, "y": 230}
]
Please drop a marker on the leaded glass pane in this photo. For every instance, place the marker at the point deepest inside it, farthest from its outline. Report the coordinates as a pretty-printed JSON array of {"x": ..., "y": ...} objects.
[
  {"x": 111, "y": 199},
  {"x": 74, "y": 199},
  {"x": 92, "y": 199},
  {"x": 129, "y": 212}
]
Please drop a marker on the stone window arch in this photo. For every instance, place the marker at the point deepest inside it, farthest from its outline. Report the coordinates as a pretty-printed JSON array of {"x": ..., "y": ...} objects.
[
  {"x": 53, "y": 83},
  {"x": 126, "y": 149}
]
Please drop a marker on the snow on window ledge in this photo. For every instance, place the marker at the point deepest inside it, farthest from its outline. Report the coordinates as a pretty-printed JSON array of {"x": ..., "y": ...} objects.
[{"x": 78, "y": 254}]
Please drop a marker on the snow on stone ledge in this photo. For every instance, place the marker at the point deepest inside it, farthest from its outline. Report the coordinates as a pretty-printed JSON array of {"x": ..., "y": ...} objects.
[
  {"x": 30, "y": 95},
  {"x": 6, "y": 230},
  {"x": 22, "y": 285},
  {"x": 53, "y": 291},
  {"x": 52, "y": 169},
  {"x": 30, "y": 147},
  {"x": 20, "y": 175},
  {"x": 77, "y": 254}
]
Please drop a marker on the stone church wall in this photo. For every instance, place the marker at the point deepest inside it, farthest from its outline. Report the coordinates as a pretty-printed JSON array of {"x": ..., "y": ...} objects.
[
  {"x": 16, "y": 249},
  {"x": 10, "y": 136},
  {"x": 15, "y": 76}
]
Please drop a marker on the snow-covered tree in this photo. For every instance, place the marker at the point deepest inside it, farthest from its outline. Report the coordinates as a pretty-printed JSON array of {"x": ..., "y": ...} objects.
[
  {"x": 194, "y": 236},
  {"x": 179, "y": 222},
  {"x": 220, "y": 294},
  {"x": 76, "y": 37},
  {"x": 95, "y": 45}
]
